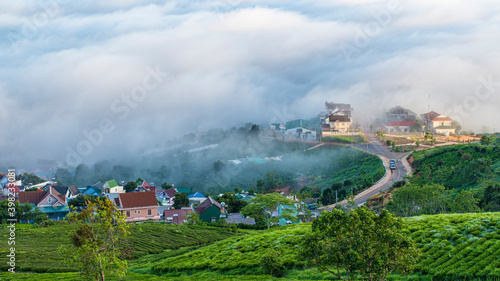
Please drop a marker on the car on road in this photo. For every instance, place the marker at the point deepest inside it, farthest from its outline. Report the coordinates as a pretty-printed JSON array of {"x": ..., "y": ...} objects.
[{"x": 392, "y": 163}]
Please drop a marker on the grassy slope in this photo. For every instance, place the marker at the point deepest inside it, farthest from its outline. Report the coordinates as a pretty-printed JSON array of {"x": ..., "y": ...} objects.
[
  {"x": 447, "y": 166},
  {"x": 36, "y": 248},
  {"x": 453, "y": 246}
]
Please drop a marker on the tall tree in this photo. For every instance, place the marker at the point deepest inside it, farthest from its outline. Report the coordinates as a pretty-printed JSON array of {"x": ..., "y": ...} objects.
[
  {"x": 359, "y": 243},
  {"x": 180, "y": 200},
  {"x": 130, "y": 186},
  {"x": 100, "y": 229}
]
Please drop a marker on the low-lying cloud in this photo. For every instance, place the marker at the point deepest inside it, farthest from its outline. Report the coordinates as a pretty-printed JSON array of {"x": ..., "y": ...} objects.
[{"x": 227, "y": 62}]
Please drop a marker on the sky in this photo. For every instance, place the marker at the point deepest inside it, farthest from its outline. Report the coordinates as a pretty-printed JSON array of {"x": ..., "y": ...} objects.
[{"x": 86, "y": 80}]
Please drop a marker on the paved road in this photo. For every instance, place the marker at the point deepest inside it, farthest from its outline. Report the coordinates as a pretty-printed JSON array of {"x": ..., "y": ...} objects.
[{"x": 377, "y": 148}]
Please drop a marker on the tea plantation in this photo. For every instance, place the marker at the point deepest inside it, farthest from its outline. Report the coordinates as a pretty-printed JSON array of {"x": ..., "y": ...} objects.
[
  {"x": 452, "y": 246},
  {"x": 36, "y": 248}
]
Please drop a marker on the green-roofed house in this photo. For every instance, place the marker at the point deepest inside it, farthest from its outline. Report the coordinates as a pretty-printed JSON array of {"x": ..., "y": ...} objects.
[
  {"x": 113, "y": 187},
  {"x": 297, "y": 129},
  {"x": 211, "y": 211},
  {"x": 183, "y": 190}
]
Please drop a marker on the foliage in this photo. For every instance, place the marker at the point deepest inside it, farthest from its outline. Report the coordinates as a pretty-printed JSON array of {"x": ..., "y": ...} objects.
[
  {"x": 242, "y": 252},
  {"x": 264, "y": 205},
  {"x": 360, "y": 243},
  {"x": 100, "y": 229},
  {"x": 457, "y": 246},
  {"x": 456, "y": 166},
  {"x": 491, "y": 198},
  {"x": 82, "y": 200},
  {"x": 272, "y": 263},
  {"x": 234, "y": 205},
  {"x": 180, "y": 200},
  {"x": 411, "y": 200},
  {"x": 29, "y": 179},
  {"x": 23, "y": 212},
  {"x": 130, "y": 186},
  {"x": 465, "y": 202}
]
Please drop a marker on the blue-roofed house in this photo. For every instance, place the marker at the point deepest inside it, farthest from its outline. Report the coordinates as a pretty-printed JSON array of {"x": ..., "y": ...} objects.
[
  {"x": 93, "y": 191},
  {"x": 196, "y": 198}
]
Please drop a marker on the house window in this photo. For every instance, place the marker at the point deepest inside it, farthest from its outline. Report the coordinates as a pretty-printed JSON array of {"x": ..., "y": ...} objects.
[
  {"x": 135, "y": 211},
  {"x": 213, "y": 219},
  {"x": 128, "y": 214},
  {"x": 50, "y": 200},
  {"x": 149, "y": 212},
  {"x": 139, "y": 212}
]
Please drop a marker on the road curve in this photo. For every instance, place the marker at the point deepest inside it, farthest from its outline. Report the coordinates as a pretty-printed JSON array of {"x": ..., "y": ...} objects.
[{"x": 375, "y": 147}]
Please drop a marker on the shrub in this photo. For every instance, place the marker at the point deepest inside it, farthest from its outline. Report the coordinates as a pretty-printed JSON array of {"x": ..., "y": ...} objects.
[{"x": 272, "y": 263}]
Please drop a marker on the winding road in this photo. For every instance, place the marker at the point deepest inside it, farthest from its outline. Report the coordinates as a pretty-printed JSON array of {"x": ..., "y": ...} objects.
[{"x": 375, "y": 147}]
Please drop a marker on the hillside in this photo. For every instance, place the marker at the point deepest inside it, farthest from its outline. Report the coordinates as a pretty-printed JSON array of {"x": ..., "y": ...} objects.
[
  {"x": 36, "y": 248},
  {"x": 452, "y": 246},
  {"x": 456, "y": 166}
]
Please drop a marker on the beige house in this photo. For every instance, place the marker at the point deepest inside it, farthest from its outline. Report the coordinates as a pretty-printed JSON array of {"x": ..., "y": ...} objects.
[
  {"x": 437, "y": 123},
  {"x": 138, "y": 206},
  {"x": 337, "y": 123}
]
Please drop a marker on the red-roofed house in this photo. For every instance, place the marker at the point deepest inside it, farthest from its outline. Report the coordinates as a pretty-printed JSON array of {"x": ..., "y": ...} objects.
[
  {"x": 400, "y": 126},
  {"x": 438, "y": 123},
  {"x": 176, "y": 216},
  {"x": 138, "y": 206}
]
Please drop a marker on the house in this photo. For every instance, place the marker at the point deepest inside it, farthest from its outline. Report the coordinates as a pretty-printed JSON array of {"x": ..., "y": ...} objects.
[
  {"x": 73, "y": 191},
  {"x": 210, "y": 210},
  {"x": 177, "y": 216},
  {"x": 437, "y": 123},
  {"x": 338, "y": 109},
  {"x": 399, "y": 113},
  {"x": 336, "y": 123},
  {"x": 6, "y": 191},
  {"x": 235, "y": 218},
  {"x": 288, "y": 210},
  {"x": 138, "y": 206},
  {"x": 400, "y": 126},
  {"x": 144, "y": 186},
  {"x": 162, "y": 196},
  {"x": 113, "y": 187},
  {"x": 92, "y": 191},
  {"x": 186, "y": 190},
  {"x": 49, "y": 201},
  {"x": 196, "y": 198},
  {"x": 300, "y": 129}
]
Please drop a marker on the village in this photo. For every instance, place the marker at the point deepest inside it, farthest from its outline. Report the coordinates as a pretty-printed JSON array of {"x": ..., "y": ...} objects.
[{"x": 401, "y": 130}]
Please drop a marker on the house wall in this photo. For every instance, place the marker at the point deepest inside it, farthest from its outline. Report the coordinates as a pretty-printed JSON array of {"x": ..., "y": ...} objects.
[
  {"x": 340, "y": 126},
  {"x": 141, "y": 214},
  {"x": 212, "y": 211}
]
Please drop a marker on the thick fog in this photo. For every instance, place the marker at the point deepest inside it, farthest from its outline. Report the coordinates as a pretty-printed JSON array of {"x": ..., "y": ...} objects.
[{"x": 95, "y": 80}]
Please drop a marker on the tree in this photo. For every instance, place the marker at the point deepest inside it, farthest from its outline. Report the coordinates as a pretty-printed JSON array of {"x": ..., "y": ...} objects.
[
  {"x": 265, "y": 205},
  {"x": 99, "y": 233},
  {"x": 359, "y": 243},
  {"x": 29, "y": 179},
  {"x": 234, "y": 205},
  {"x": 130, "y": 186},
  {"x": 180, "y": 200},
  {"x": 166, "y": 186},
  {"x": 82, "y": 200},
  {"x": 465, "y": 202},
  {"x": 412, "y": 199}
]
